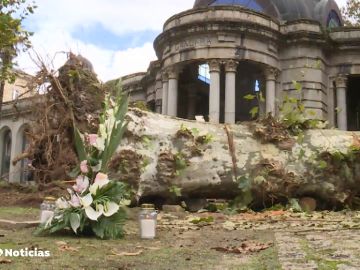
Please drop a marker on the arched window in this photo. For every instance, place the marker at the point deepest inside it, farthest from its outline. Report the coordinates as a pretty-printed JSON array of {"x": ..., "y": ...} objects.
[
  {"x": 333, "y": 20},
  {"x": 15, "y": 94},
  {"x": 6, "y": 154},
  {"x": 204, "y": 73},
  {"x": 257, "y": 86},
  {"x": 250, "y": 4}
]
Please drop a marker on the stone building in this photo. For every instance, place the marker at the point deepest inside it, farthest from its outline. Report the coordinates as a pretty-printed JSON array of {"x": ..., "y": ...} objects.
[
  {"x": 14, "y": 122},
  {"x": 213, "y": 55}
]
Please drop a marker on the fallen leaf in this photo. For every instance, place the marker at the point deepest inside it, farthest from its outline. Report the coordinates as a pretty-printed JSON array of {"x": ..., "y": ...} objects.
[
  {"x": 63, "y": 246},
  {"x": 153, "y": 248},
  {"x": 228, "y": 225},
  {"x": 126, "y": 253},
  {"x": 5, "y": 261},
  {"x": 61, "y": 243},
  {"x": 245, "y": 248}
]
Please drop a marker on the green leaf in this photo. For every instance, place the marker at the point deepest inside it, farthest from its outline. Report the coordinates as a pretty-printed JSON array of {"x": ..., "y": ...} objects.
[
  {"x": 249, "y": 97},
  {"x": 110, "y": 227},
  {"x": 74, "y": 222},
  {"x": 294, "y": 205},
  {"x": 297, "y": 85},
  {"x": 175, "y": 190},
  {"x": 322, "y": 164},
  {"x": 114, "y": 191},
  {"x": 117, "y": 131},
  {"x": 259, "y": 179},
  {"x": 195, "y": 131},
  {"x": 79, "y": 144},
  {"x": 254, "y": 112},
  {"x": 261, "y": 97},
  {"x": 244, "y": 183}
]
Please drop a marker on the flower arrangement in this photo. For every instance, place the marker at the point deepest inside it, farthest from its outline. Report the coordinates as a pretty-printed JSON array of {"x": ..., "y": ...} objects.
[{"x": 95, "y": 203}]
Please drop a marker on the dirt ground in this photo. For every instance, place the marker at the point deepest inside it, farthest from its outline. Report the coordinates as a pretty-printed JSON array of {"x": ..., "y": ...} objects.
[
  {"x": 28, "y": 196},
  {"x": 250, "y": 241}
]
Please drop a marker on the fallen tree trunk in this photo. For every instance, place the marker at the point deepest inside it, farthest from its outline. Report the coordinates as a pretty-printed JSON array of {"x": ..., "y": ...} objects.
[{"x": 216, "y": 161}]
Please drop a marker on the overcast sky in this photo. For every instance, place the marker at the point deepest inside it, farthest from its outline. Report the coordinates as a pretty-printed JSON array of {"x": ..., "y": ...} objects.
[{"x": 115, "y": 35}]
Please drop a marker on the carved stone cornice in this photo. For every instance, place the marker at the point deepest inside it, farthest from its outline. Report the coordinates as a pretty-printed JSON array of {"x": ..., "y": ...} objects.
[
  {"x": 271, "y": 74},
  {"x": 341, "y": 81},
  {"x": 214, "y": 65},
  {"x": 231, "y": 65}
]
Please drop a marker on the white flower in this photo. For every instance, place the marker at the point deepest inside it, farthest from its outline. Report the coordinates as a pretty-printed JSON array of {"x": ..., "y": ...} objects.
[
  {"x": 61, "y": 203},
  {"x": 100, "y": 144},
  {"x": 87, "y": 200},
  {"x": 125, "y": 202},
  {"x": 94, "y": 214},
  {"x": 110, "y": 209}
]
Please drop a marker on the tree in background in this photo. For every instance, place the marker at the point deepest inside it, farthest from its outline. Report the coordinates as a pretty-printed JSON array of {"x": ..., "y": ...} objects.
[
  {"x": 13, "y": 38},
  {"x": 351, "y": 13}
]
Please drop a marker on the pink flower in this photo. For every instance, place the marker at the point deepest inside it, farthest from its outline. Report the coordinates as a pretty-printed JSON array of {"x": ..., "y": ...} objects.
[
  {"x": 75, "y": 201},
  {"x": 100, "y": 181},
  {"x": 83, "y": 167},
  {"x": 82, "y": 183},
  {"x": 92, "y": 138}
]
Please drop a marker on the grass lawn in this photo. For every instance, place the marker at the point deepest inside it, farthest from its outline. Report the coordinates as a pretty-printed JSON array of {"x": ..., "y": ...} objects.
[{"x": 176, "y": 247}]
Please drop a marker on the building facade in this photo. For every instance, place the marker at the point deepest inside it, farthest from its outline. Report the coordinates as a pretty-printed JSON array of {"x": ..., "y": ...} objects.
[
  {"x": 15, "y": 120},
  {"x": 214, "y": 55}
]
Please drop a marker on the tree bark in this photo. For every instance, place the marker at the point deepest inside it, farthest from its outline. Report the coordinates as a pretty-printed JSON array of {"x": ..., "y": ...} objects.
[
  {"x": 216, "y": 161},
  {"x": 2, "y": 88}
]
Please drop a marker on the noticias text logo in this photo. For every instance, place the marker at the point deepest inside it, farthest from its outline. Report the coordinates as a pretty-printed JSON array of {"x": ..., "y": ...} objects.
[{"x": 25, "y": 252}]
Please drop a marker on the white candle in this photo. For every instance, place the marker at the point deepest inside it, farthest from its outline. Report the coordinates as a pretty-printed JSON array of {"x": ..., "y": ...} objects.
[
  {"x": 147, "y": 228},
  {"x": 46, "y": 215}
]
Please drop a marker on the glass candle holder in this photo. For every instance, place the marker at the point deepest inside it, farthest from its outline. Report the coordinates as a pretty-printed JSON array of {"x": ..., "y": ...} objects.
[
  {"x": 47, "y": 209},
  {"x": 147, "y": 220}
]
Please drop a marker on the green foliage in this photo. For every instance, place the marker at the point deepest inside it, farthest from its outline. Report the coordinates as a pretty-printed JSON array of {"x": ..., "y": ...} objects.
[
  {"x": 114, "y": 128},
  {"x": 200, "y": 220},
  {"x": 244, "y": 199},
  {"x": 351, "y": 13},
  {"x": 79, "y": 145},
  {"x": 110, "y": 227},
  {"x": 294, "y": 115},
  {"x": 254, "y": 112},
  {"x": 180, "y": 163},
  {"x": 195, "y": 131},
  {"x": 294, "y": 205},
  {"x": 13, "y": 37},
  {"x": 175, "y": 190},
  {"x": 140, "y": 105}
]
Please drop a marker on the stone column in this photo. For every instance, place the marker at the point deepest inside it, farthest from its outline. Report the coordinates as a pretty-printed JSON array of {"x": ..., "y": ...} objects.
[
  {"x": 191, "y": 103},
  {"x": 165, "y": 85},
  {"x": 230, "y": 91},
  {"x": 270, "y": 76},
  {"x": 158, "y": 93},
  {"x": 214, "y": 95},
  {"x": 341, "y": 102},
  {"x": 172, "y": 92}
]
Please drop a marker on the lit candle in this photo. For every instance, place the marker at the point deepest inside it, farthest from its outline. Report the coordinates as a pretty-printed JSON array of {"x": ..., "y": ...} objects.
[{"x": 147, "y": 218}]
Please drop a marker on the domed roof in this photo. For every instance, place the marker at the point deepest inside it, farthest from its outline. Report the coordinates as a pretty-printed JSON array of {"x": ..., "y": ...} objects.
[{"x": 325, "y": 11}]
